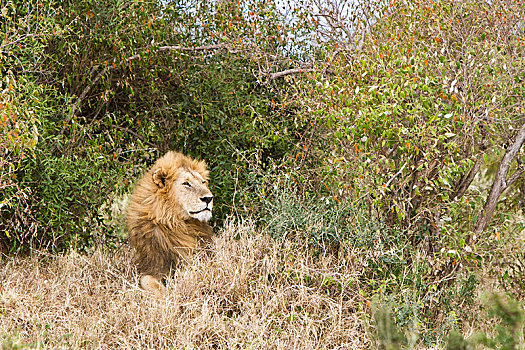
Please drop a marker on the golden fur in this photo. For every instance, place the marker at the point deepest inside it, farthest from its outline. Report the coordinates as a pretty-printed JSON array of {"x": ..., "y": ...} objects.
[{"x": 167, "y": 216}]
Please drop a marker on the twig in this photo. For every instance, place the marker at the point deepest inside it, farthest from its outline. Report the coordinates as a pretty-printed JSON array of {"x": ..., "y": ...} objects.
[
  {"x": 395, "y": 175},
  {"x": 82, "y": 96},
  {"x": 21, "y": 38},
  {"x": 359, "y": 46},
  {"x": 200, "y": 48},
  {"x": 514, "y": 177},
  {"x": 140, "y": 137},
  {"x": 387, "y": 183}
]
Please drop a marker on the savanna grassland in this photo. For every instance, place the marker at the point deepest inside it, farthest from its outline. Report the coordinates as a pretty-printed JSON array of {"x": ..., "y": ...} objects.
[
  {"x": 366, "y": 160},
  {"x": 246, "y": 293}
]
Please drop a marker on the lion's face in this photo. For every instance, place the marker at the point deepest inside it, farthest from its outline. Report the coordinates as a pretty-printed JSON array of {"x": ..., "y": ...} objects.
[
  {"x": 191, "y": 190},
  {"x": 183, "y": 184}
]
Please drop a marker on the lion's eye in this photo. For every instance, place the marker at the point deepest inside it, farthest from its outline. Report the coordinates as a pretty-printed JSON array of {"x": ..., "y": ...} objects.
[{"x": 186, "y": 183}]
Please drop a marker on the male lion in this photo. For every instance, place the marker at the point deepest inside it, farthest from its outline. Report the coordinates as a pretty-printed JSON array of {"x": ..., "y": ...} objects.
[{"x": 167, "y": 216}]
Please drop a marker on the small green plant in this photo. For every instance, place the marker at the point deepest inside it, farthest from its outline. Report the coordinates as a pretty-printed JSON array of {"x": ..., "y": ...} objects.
[
  {"x": 389, "y": 335},
  {"x": 507, "y": 333},
  {"x": 13, "y": 342},
  {"x": 325, "y": 223}
]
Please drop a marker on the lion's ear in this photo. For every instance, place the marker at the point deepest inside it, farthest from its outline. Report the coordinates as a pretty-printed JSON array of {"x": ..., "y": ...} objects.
[{"x": 159, "y": 177}]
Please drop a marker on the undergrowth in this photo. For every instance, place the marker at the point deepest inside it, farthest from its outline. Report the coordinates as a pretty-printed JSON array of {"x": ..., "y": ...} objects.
[
  {"x": 358, "y": 284},
  {"x": 428, "y": 291}
]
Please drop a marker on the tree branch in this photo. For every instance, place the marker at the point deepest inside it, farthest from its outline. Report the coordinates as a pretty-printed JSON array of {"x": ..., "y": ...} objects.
[
  {"x": 140, "y": 137},
  {"x": 276, "y": 75},
  {"x": 359, "y": 46},
  {"x": 465, "y": 181},
  {"x": 514, "y": 177},
  {"x": 84, "y": 93},
  {"x": 395, "y": 175},
  {"x": 21, "y": 38},
  {"x": 193, "y": 48},
  {"x": 500, "y": 183}
]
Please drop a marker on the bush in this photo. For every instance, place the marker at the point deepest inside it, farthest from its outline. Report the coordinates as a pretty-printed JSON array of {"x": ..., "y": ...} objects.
[
  {"x": 114, "y": 88},
  {"x": 323, "y": 222},
  {"x": 507, "y": 325},
  {"x": 427, "y": 292},
  {"x": 420, "y": 108}
]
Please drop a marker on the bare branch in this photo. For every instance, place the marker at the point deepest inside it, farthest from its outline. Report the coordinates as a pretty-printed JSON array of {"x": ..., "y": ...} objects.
[
  {"x": 85, "y": 92},
  {"x": 140, "y": 137},
  {"x": 514, "y": 177},
  {"x": 465, "y": 181},
  {"x": 22, "y": 38},
  {"x": 335, "y": 23},
  {"x": 395, "y": 175},
  {"x": 193, "y": 48},
  {"x": 229, "y": 48},
  {"x": 276, "y": 75},
  {"x": 359, "y": 46}
]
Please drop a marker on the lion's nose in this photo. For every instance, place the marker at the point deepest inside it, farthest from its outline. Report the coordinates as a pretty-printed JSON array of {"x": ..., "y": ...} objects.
[{"x": 207, "y": 199}]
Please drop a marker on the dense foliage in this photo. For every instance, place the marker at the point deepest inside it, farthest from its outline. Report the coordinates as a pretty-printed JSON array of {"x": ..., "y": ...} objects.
[
  {"x": 379, "y": 126},
  {"x": 93, "y": 92}
]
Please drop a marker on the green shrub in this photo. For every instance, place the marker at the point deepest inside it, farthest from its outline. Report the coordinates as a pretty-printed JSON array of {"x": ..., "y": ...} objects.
[
  {"x": 12, "y": 342},
  {"x": 325, "y": 223},
  {"x": 505, "y": 319},
  {"x": 428, "y": 292}
]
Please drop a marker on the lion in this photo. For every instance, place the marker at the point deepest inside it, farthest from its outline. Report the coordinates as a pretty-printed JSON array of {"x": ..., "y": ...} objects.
[{"x": 168, "y": 216}]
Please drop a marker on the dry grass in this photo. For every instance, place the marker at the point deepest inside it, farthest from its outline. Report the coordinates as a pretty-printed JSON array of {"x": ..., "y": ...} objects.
[{"x": 250, "y": 292}]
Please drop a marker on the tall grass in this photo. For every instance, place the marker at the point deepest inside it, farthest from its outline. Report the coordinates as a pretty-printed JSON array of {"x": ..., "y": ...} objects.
[
  {"x": 309, "y": 275},
  {"x": 249, "y": 291}
]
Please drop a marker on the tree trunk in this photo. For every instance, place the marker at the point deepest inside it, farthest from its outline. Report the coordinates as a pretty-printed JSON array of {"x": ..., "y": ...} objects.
[{"x": 500, "y": 182}]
